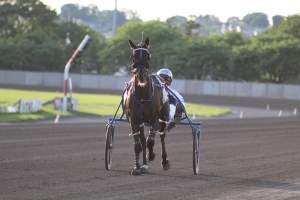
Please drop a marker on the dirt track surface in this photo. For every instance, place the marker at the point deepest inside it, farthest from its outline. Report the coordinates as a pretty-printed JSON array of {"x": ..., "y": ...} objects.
[{"x": 241, "y": 159}]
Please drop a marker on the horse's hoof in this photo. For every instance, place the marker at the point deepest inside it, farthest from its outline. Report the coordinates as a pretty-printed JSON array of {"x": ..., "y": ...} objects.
[
  {"x": 165, "y": 164},
  {"x": 151, "y": 156},
  {"x": 136, "y": 172},
  {"x": 144, "y": 169}
]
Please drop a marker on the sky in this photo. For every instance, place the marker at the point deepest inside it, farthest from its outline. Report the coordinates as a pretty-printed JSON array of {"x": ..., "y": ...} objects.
[{"x": 163, "y": 9}]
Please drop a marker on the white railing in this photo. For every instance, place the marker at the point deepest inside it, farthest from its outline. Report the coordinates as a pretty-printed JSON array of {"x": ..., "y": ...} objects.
[{"x": 87, "y": 81}]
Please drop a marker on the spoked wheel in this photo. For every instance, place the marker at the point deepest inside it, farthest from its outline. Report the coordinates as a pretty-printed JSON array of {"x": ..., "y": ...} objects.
[
  {"x": 109, "y": 145},
  {"x": 196, "y": 151}
]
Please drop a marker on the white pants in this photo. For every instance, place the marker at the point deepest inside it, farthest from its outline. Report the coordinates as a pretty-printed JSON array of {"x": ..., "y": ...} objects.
[{"x": 178, "y": 97}]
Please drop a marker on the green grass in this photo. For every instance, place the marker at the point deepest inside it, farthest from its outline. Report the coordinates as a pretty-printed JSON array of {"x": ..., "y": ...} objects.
[
  {"x": 206, "y": 111},
  {"x": 89, "y": 104}
]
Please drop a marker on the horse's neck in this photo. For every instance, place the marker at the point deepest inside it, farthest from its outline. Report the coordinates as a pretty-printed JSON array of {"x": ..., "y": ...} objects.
[{"x": 143, "y": 92}]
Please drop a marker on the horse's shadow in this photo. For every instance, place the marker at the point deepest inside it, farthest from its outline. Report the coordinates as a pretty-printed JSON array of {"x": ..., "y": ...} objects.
[{"x": 248, "y": 182}]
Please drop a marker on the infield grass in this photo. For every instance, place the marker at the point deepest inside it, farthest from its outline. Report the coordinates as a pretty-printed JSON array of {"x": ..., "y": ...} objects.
[{"x": 89, "y": 105}]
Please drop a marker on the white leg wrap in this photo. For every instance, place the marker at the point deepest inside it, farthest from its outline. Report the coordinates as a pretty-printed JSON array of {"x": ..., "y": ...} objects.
[
  {"x": 135, "y": 133},
  {"x": 145, "y": 166},
  {"x": 162, "y": 133}
]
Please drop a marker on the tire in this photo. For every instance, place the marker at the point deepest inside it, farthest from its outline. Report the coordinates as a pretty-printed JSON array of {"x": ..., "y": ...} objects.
[
  {"x": 109, "y": 146},
  {"x": 196, "y": 152}
]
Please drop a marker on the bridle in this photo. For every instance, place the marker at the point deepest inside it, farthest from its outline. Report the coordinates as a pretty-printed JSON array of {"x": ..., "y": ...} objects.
[
  {"x": 141, "y": 49},
  {"x": 137, "y": 55}
]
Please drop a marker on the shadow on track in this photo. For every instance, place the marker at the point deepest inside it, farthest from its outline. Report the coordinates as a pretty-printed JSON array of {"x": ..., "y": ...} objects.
[{"x": 248, "y": 182}]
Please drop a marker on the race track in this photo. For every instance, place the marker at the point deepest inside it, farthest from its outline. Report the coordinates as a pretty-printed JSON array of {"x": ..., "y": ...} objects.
[{"x": 241, "y": 159}]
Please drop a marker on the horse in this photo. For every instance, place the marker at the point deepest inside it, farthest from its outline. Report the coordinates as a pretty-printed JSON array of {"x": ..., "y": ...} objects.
[{"x": 146, "y": 104}]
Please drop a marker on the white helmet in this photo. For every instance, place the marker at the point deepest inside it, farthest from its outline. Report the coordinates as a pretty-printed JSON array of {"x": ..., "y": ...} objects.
[{"x": 166, "y": 74}]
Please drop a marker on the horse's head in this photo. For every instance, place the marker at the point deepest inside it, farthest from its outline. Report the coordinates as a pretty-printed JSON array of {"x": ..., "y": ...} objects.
[{"x": 140, "y": 60}]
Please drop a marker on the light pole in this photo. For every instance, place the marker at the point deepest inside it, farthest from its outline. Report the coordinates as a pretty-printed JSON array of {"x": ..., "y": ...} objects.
[{"x": 114, "y": 25}]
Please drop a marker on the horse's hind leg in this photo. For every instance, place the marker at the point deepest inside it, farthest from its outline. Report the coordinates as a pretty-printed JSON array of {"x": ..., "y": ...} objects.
[
  {"x": 165, "y": 162},
  {"x": 150, "y": 144}
]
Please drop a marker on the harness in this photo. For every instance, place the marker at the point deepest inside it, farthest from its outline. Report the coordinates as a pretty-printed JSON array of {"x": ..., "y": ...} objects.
[
  {"x": 140, "y": 103},
  {"x": 139, "y": 58}
]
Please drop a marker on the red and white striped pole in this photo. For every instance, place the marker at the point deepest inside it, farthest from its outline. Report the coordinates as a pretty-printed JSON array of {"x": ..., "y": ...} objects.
[{"x": 75, "y": 55}]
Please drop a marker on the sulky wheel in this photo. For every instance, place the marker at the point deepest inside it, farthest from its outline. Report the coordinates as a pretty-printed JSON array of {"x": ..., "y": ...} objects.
[
  {"x": 109, "y": 145},
  {"x": 196, "y": 150}
]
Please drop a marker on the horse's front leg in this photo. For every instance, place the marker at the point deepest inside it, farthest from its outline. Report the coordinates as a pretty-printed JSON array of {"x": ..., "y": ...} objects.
[
  {"x": 137, "y": 150},
  {"x": 165, "y": 162},
  {"x": 144, "y": 167},
  {"x": 150, "y": 144}
]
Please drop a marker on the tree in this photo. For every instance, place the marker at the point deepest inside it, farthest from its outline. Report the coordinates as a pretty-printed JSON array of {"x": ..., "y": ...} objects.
[
  {"x": 243, "y": 64},
  {"x": 178, "y": 22},
  {"x": 277, "y": 19},
  {"x": 234, "y": 23},
  {"x": 164, "y": 41},
  {"x": 291, "y": 26},
  {"x": 33, "y": 39},
  {"x": 132, "y": 15},
  {"x": 91, "y": 16},
  {"x": 187, "y": 26},
  {"x": 90, "y": 60},
  {"x": 209, "y": 25},
  {"x": 203, "y": 58},
  {"x": 278, "y": 52},
  {"x": 236, "y": 58},
  {"x": 256, "y": 20},
  {"x": 279, "y": 62},
  {"x": 69, "y": 11},
  {"x": 234, "y": 39},
  {"x": 31, "y": 51},
  {"x": 192, "y": 27},
  {"x": 21, "y": 16}
]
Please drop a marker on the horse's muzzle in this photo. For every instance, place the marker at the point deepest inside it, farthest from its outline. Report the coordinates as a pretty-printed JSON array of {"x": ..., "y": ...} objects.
[{"x": 142, "y": 74}]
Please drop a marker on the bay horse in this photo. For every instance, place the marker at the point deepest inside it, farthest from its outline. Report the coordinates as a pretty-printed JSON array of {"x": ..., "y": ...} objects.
[{"x": 146, "y": 103}]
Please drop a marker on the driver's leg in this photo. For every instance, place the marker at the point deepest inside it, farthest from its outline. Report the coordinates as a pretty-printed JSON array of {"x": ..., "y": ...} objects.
[{"x": 172, "y": 112}]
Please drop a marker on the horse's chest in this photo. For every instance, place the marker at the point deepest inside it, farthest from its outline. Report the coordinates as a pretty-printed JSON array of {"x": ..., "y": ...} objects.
[{"x": 144, "y": 107}]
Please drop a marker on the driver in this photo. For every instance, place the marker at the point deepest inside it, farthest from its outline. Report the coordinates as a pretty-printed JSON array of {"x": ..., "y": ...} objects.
[{"x": 175, "y": 99}]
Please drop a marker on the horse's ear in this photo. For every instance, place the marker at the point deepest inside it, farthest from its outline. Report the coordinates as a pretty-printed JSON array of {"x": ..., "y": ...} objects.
[
  {"x": 132, "y": 45},
  {"x": 147, "y": 42}
]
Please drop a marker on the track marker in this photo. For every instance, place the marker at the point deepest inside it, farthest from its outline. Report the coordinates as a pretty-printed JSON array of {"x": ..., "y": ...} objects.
[
  {"x": 56, "y": 119},
  {"x": 295, "y": 111},
  {"x": 280, "y": 113},
  {"x": 268, "y": 107},
  {"x": 194, "y": 116},
  {"x": 241, "y": 115}
]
